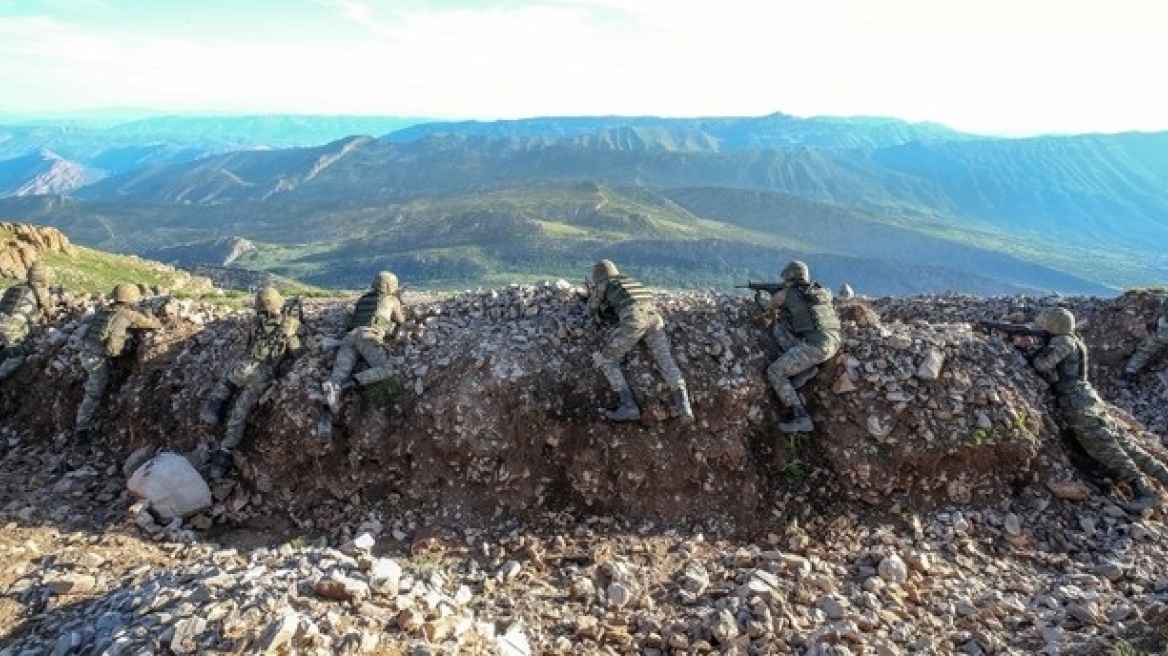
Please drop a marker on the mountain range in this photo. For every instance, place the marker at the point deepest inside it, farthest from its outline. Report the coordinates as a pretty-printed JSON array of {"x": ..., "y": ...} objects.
[{"x": 888, "y": 206}]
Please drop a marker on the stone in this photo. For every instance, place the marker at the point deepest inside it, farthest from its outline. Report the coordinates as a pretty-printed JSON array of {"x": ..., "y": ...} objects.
[
  {"x": 893, "y": 570},
  {"x": 172, "y": 486}
]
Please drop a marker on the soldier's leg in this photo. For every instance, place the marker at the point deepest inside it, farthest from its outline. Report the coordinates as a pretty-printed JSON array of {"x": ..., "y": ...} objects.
[
  {"x": 377, "y": 357},
  {"x": 1144, "y": 460},
  {"x": 796, "y": 360},
  {"x": 212, "y": 412},
  {"x": 342, "y": 371},
  {"x": 1147, "y": 350},
  {"x": 659, "y": 345},
  {"x": 1093, "y": 433},
  {"x": 245, "y": 402},
  {"x": 622, "y": 340},
  {"x": 10, "y": 365},
  {"x": 97, "y": 367}
]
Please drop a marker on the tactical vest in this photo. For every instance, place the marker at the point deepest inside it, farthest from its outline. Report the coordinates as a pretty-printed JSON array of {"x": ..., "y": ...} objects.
[
  {"x": 365, "y": 315},
  {"x": 622, "y": 292},
  {"x": 809, "y": 309},
  {"x": 1073, "y": 368},
  {"x": 110, "y": 331},
  {"x": 269, "y": 342},
  {"x": 18, "y": 299}
]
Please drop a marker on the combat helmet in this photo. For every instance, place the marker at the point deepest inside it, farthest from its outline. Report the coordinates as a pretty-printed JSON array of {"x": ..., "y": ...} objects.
[
  {"x": 37, "y": 273},
  {"x": 796, "y": 271},
  {"x": 126, "y": 293},
  {"x": 269, "y": 300},
  {"x": 1056, "y": 320},
  {"x": 385, "y": 282},
  {"x": 603, "y": 270}
]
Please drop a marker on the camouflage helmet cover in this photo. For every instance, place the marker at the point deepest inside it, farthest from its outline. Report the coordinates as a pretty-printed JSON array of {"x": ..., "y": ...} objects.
[
  {"x": 1056, "y": 320},
  {"x": 269, "y": 300},
  {"x": 603, "y": 270},
  {"x": 796, "y": 271},
  {"x": 385, "y": 282},
  {"x": 127, "y": 293},
  {"x": 37, "y": 273}
]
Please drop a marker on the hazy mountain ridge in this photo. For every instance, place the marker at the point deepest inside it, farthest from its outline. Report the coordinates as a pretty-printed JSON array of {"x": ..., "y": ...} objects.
[{"x": 43, "y": 172}]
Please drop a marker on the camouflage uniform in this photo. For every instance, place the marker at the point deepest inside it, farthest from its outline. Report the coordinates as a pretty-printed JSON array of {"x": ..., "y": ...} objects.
[
  {"x": 631, "y": 304},
  {"x": 107, "y": 338},
  {"x": 808, "y": 333},
  {"x": 22, "y": 307},
  {"x": 377, "y": 314},
  {"x": 273, "y": 337},
  {"x": 1152, "y": 345},
  {"x": 1063, "y": 363}
]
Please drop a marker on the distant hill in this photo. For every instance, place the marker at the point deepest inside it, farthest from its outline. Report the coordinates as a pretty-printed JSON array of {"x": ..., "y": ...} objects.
[
  {"x": 889, "y": 206},
  {"x": 41, "y": 173}
]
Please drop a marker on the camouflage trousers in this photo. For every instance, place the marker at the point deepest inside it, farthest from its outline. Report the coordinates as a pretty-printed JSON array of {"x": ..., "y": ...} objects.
[
  {"x": 248, "y": 379},
  {"x": 1148, "y": 349},
  {"x": 638, "y": 323},
  {"x": 13, "y": 330},
  {"x": 1104, "y": 439},
  {"x": 366, "y": 343},
  {"x": 797, "y": 357},
  {"x": 97, "y": 366}
]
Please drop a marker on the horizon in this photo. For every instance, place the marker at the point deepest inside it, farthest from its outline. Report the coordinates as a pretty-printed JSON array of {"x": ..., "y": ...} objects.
[{"x": 994, "y": 68}]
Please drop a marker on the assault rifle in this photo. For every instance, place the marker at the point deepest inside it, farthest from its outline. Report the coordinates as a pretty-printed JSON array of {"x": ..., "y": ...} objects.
[
  {"x": 760, "y": 287},
  {"x": 1013, "y": 330}
]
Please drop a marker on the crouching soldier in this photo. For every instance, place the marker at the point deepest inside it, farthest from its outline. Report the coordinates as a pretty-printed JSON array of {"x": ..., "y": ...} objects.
[
  {"x": 807, "y": 329},
  {"x": 620, "y": 297},
  {"x": 109, "y": 338},
  {"x": 1063, "y": 364},
  {"x": 1152, "y": 346},
  {"x": 23, "y": 307},
  {"x": 274, "y": 336},
  {"x": 377, "y": 315}
]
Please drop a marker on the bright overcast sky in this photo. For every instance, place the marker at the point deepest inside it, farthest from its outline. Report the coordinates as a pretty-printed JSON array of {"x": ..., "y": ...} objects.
[{"x": 994, "y": 66}]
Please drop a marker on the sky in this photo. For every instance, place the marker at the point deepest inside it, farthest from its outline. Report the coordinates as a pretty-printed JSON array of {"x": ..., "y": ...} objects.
[{"x": 1005, "y": 67}]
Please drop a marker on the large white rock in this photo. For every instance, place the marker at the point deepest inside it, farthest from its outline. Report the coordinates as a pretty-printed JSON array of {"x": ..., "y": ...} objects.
[{"x": 171, "y": 485}]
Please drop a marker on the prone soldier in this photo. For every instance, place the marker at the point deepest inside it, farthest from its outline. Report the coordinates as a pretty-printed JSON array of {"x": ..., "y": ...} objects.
[
  {"x": 1152, "y": 346},
  {"x": 22, "y": 307},
  {"x": 1063, "y": 363},
  {"x": 807, "y": 329},
  {"x": 275, "y": 335},
  {"x": 109, "y": 338},
  {"x": 623, "y": 298}
]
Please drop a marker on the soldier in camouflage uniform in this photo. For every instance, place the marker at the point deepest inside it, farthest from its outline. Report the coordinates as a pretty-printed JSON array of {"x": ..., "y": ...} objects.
[
  {"x": 108, "y": 337},
  {"x": 274, "y": 336},
  {"x": 23, "y": 306},
  {"x": 807, "y": 329},
  {"x": 1063, "y": 362},
  {"x": 376, "y": 317},
  {"x": 619, "y": 297},
  {"x": 1152, "y": 345}
]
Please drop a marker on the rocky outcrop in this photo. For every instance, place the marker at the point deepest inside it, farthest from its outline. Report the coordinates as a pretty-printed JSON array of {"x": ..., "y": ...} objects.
[{"x": 22, "y": 244}]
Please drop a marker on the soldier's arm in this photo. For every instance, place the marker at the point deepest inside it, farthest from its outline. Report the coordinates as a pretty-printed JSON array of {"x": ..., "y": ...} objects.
[
  {"x": 291, "y": 330},
  {"x": 143, "y": 321},
  {"x": 45, "y": 300},
  {"x": 1049, "y": 356}
]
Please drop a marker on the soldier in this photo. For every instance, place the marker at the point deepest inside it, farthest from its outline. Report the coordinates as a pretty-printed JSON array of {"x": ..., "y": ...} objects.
[
  {"x": 1152, "y": 345},
  {"x": 1063, "y": 364},
  {"x": 108, "y": 338},
  {"x": 22, "y": 307},
  {"x": 807, "y": 329},
  {"x": 275, "y": 335},
  {"x": 619, "y": 297},
  {"x": 376, "y": 317}
]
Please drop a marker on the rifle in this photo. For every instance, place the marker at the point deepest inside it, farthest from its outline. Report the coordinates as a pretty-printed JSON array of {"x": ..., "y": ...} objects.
[
  {"x": 1015, "y": 330},
  {"x": 293, "y": 304},
  {"x": 760, "y": 287}
]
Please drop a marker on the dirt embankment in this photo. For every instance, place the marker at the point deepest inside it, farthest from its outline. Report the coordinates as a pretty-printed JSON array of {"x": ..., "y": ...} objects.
[{"x": 496, "y": 410}]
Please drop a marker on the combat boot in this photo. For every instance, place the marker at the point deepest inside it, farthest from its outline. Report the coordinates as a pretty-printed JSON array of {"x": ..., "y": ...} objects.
[
  {"x": 1144, "y": 497},
  {"x": 219, "y": 462},
  {"x": 212, "y": 413},
  {"x": 685, "y": 413},
  {"x": 803, "y": 377},
  {"x": 82, "y": 444},
  {"x": 332, "y": 396},
  {"x": 800, "y": 421},
  {"x": 627, "y": 410}
]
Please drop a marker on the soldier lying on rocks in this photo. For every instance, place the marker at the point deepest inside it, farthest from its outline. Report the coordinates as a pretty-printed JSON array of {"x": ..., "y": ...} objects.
[
  {"x": 619, "y": 297},
  {"x": 1063, "y": 363},
  {"x": 23, "y": 307},
  {"x": 108, "y": 338},
  {"x": 1152, "y": 346},
  {"x": 275, "y": 335},
  {"x": 377, "y": 315},
  {"x": 807, "y": 329}
]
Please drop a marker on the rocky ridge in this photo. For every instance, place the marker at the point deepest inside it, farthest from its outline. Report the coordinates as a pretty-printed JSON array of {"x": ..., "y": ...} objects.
[{"x": 935, "y": 510}]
